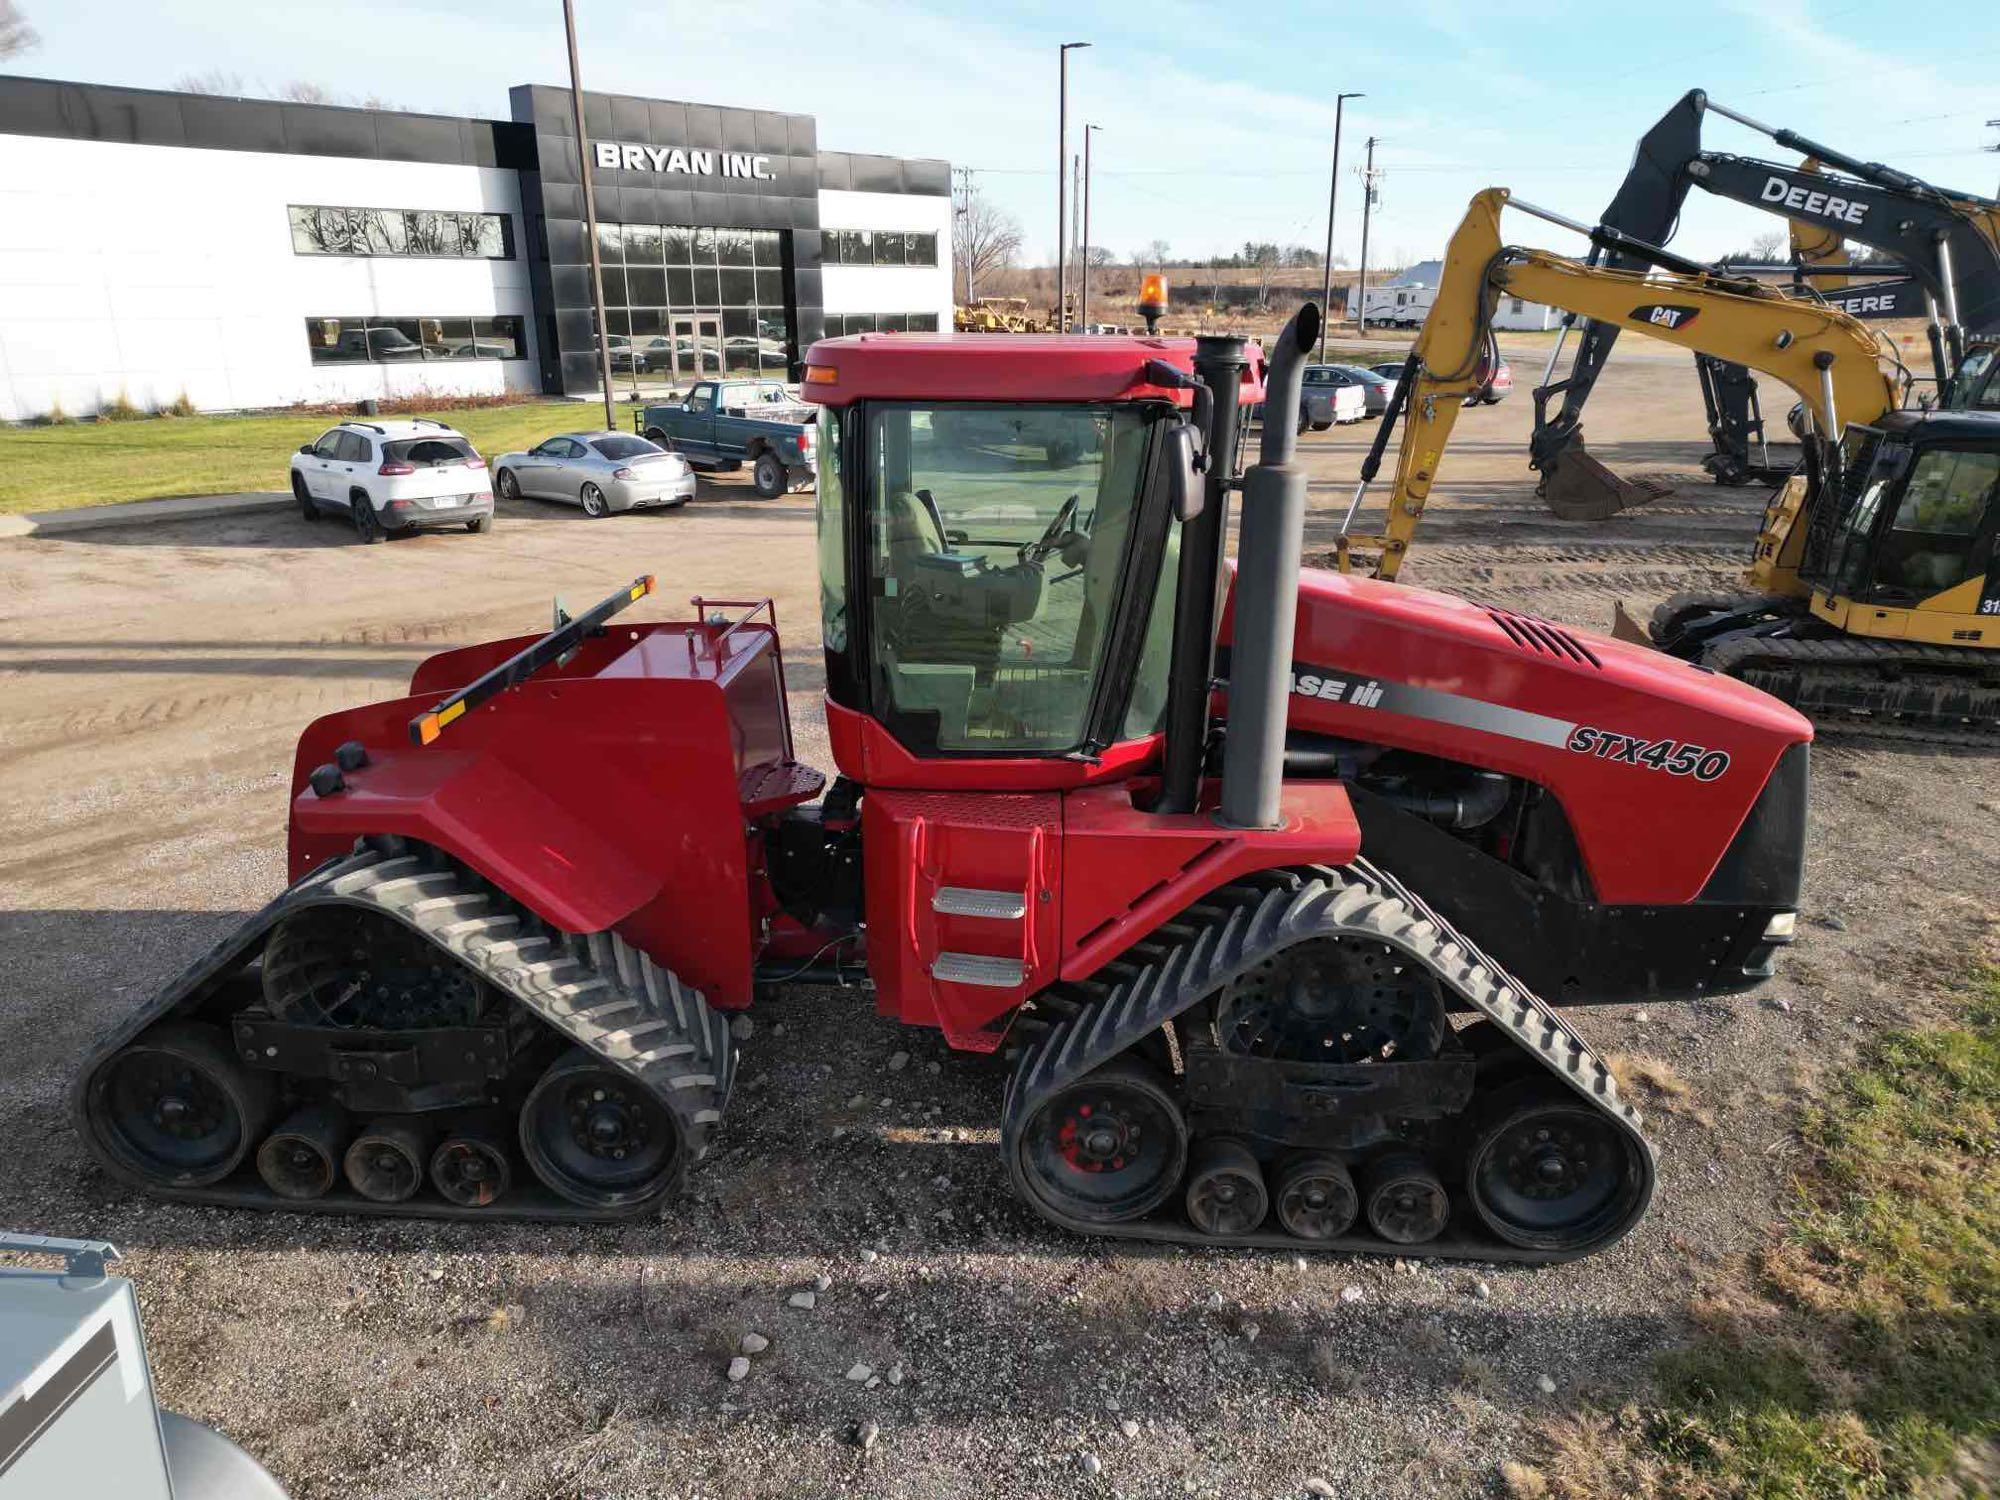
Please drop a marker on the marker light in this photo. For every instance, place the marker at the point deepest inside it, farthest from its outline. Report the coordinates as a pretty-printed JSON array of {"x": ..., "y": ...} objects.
[
  {"x": 821, "y": 375},
  {"x": 1153, "y": 290}
]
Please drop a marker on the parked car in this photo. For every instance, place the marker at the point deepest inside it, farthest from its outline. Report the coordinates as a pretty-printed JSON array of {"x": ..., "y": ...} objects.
[
  {"x": 391, "y": 477},
  {"x": 1330, "y": 394},
  {"x": 600, "y": 471},
  {"x": 382, "y": 345},
  {"x": 724, "y": 424},
  {"x": 1496, "y": 380},
  {"x": 1393, "y": 373}
]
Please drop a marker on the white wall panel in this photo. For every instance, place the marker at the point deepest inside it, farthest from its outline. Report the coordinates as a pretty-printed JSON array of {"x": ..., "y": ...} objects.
[{"x": 888, "y": 289}]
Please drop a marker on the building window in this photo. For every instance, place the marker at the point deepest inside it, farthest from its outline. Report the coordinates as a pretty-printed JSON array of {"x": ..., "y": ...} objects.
[
  {"x": 418, "y": 232},
  {"x": 684, "y": 302},
  {"x": 839, "y": 324},
  {"x": 877, "y": 247},
  {"x": 408, "y": 341}
]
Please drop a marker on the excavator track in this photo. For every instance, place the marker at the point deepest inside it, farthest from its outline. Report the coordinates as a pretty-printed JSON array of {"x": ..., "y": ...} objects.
[
  {"x": 1903, "y": 690},
  {"x": 1104, "y": 1026},
  {"x": 596, "y": 991}
]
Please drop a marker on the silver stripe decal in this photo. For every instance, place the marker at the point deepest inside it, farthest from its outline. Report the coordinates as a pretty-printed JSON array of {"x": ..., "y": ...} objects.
[{"x": 1429, "y": 703}]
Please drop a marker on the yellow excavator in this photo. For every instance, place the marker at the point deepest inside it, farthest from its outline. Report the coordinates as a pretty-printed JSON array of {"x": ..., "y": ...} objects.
[{"x": 1872, "y": 600}]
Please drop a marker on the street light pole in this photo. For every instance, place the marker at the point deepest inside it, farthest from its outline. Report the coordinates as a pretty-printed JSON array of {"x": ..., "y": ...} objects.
[
  {"x": 1332, "y": 197},
  {"x": 590, "y": 218},
  {"x": 1083, "y": 305},
  {"x": 1062, "y": 186}
]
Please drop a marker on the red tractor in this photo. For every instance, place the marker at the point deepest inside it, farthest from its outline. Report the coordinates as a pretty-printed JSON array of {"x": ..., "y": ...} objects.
[{"x": 1268, "y": 882}]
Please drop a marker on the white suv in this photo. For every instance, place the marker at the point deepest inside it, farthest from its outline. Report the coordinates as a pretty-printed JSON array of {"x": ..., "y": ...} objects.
[{"x": 394, "y": 477}]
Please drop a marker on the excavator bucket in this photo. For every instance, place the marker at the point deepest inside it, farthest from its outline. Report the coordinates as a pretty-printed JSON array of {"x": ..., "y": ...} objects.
[
  {"x": 1579, "y": 488},
  {"x": 1626, "y": 626}
]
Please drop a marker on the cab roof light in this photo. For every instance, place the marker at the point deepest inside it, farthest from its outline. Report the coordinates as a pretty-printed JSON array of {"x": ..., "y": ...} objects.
[{"x": 1153, "y": 290}]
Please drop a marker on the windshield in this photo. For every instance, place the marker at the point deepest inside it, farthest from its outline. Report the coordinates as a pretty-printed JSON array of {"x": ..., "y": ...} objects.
[
  {"x": 430, "y": 451},
  {"x": 622, "y": 446},
  {"x": 995, "y": 546}
]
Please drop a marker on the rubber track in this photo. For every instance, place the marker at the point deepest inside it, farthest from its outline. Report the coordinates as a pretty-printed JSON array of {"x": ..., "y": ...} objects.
[
  {"x": 1230, "y": 932},
  {"x": 1790, "y": 670},
  {"x": 596, "y": 989}
]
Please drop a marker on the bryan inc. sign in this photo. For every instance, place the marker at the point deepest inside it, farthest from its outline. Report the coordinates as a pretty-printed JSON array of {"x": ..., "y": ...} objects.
[{"x": 614, "y": 155}]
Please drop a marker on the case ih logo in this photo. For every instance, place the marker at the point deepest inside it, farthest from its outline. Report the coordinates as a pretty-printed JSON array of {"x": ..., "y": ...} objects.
[
  {"x": 1806, "y": 200},
  {"x": 1665, "y": 315}
]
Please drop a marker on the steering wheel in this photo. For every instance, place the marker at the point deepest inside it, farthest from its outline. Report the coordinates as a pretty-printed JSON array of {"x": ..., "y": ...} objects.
[{"x": 1060, "y": 525}]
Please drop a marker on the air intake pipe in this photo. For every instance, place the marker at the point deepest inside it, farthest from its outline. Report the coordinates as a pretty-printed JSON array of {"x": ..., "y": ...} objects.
[{"x": 1267, "y": 591}]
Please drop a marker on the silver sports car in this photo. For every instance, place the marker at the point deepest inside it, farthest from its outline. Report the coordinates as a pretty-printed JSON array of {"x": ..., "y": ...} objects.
[{"x": 601, "y": 471}]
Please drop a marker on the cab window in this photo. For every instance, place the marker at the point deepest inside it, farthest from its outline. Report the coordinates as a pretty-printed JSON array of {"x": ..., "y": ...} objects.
[
  {"x": 995, "y": 547},
  {"x": 1934, "y": 539}
]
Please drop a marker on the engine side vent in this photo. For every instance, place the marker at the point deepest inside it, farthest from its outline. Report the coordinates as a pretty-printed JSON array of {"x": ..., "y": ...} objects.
[{"x": 1544, "y": 639}]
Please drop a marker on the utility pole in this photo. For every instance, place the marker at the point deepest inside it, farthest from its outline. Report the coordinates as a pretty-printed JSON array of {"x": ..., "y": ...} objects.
[
  {"x": 1332, "y": 197},
  {"x": 590, "y": 217},
  {"x": 1367, "y": 204},
  {"x": 1075, "y": 207},
  {"x": 1083, "y": 308},
  {"x": 1993, "y": 125},
  {"x": 962, "y": 210},
  {"x": 1062, "y": 170}
]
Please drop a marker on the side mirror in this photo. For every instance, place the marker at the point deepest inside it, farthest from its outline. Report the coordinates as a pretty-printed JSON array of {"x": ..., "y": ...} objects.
[
  {"x": 1183, "y": 477},
  {"x": 306, "y": 448}
]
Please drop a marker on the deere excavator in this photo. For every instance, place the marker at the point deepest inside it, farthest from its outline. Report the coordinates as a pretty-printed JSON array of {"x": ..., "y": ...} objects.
[
  {"x": 1872, "y": 600},
  {"x": 1946, "y": 245},
  {"x": 1289, "y": 964}
]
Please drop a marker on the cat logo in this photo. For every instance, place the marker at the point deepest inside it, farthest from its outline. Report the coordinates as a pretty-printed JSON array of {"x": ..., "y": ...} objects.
[{"x": 1665, "y": 315}]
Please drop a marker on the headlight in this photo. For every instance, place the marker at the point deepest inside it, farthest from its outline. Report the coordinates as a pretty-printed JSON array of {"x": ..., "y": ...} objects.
[{"x": 1782, "y": 928}]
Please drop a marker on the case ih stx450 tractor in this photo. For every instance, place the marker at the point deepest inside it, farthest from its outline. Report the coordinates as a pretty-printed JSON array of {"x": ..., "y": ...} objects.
[{"x": 1269, "y": 886}]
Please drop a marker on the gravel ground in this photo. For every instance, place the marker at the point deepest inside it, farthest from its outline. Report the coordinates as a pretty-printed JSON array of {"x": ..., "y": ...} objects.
[{"x": 954, "y": 1346}]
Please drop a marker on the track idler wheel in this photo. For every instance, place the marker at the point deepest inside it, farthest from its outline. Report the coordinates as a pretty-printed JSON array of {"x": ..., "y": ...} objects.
[
  {"x": 1225, "y": 1189},
  {"x": 599, "y": 1137},
  {"x": 1316, "y": 1197},
  {"x": 470, "y": 1166},
  {"x": 176, "y": 1107},
  {"x": 387, "y": 1160},
  {"x": 1548, "y": 1172},
  {"x": 302, "y": 1157},
  {"x": 1109, "y": 1147},
  {"x": 1406, "y": 1203}
]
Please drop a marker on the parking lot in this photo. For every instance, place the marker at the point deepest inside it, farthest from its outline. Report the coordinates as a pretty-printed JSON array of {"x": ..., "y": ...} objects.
[{"x": 154, "y": 683}]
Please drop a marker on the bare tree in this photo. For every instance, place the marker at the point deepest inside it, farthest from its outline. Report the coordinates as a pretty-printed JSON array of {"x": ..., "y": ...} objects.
[
  {"x": 1154, "y": 253},
  {"x": 984, "y": 239},
  {"x": 1265, "y": 258},
  {"x": 16, "y": 35},
  {"x": 214, "y": 81},
  {"x": 1099, "y": 257},
  {"x": 1772, "y": 244},
  {"x": 301, "y": 91}
]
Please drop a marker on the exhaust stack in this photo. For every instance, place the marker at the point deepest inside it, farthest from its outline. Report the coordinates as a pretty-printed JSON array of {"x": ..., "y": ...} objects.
[{"x": 1267, "y": 591}]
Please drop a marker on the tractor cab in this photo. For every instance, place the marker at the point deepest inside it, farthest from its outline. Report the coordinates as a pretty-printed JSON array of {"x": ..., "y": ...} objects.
[{"x": 998, "y": 548}]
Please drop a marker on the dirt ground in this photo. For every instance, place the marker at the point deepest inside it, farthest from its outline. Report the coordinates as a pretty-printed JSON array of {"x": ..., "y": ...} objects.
[{"x": 153, "y": 684}]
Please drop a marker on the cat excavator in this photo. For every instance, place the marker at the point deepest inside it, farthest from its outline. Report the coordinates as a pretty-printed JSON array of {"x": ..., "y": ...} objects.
[
  {"x": 1943, "y": 265},
  {"x": 1872, "y": 599}
]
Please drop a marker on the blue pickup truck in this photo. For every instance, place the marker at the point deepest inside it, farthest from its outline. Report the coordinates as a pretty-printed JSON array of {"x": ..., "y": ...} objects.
[{"x": 725, "y": 424}]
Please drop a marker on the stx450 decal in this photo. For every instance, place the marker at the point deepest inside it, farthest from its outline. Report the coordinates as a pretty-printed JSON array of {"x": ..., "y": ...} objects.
[{"x": 1675, "y": 757}]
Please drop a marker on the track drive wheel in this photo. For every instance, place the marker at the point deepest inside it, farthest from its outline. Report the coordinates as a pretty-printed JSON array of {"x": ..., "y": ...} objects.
[
  {"x": 1548, "y": 1172},
  {"x": 1315, "y": 1196},
  {"x": 176, "y": 1108},
  {"x": 1225, "y": 1189},
  {"x": 598, "y": 1137},
  {"x": 1108, "y": 1147},
  {"x": 1406, "y": 1203}
]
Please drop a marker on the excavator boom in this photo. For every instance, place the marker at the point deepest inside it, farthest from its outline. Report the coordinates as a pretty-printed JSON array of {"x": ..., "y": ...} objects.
[{"x": 1831, "y": 360}]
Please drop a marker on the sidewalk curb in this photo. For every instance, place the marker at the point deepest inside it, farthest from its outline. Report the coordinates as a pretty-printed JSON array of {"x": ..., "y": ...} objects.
[{"x": 57, "y": 523}]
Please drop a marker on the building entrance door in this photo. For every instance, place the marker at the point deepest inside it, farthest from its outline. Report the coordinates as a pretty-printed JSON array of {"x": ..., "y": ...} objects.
[{"x": 697, "y": 349}]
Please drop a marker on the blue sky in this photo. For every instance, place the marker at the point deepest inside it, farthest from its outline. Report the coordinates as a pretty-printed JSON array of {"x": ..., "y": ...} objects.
[{"x": 1217, "y": 119}]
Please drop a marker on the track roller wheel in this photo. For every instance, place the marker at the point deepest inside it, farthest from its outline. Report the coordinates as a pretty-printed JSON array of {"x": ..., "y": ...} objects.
[
  {"x": 386, "y": 1162},
  {"x": 1106, "y": 1148},
  {"x": 176, "y": 1108},
  {"x": 597, "y": 1136},
  {"x": 1548, "y": 1172},
  {"x": 1316, "y": 1197},
  {"x": 470, "y": 1166},
  {"x": 1406, "y": 1203},
  {"x": 301, "y": 1158},
  {"x": 1225, "y": 1189}
]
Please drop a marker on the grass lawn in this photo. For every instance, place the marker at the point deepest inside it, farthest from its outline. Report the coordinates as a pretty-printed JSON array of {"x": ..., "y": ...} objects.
[
  {"x": 1859, "y": 1355},
  {"x": 95, "y": 463}
]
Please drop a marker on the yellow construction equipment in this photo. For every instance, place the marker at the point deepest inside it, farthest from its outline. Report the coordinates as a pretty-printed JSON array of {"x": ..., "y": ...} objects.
[{"x": 1873, "y": 594}]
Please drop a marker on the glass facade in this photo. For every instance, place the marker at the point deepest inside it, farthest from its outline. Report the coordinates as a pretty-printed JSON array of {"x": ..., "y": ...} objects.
[
  {"x": 684, "y": 301},
  {"x": 877, "y": 247},
  {"x": 841, "y": 323},
  {"x": 424, "y": 233},
  {"x": 406, "y": 341}
]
